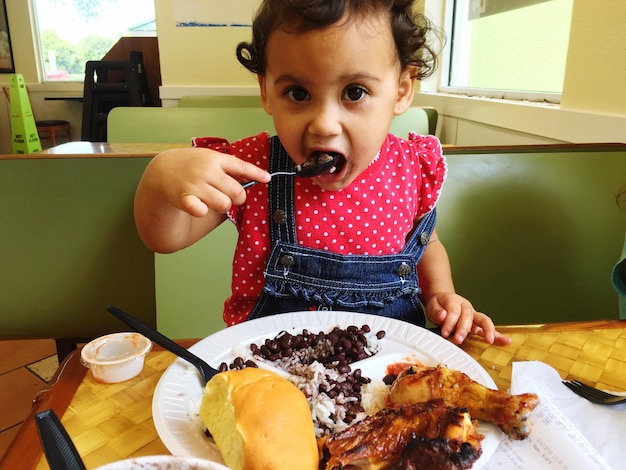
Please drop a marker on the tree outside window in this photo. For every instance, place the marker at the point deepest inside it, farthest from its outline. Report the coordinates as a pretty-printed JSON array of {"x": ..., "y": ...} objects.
[{"x": 72, "y": 32}]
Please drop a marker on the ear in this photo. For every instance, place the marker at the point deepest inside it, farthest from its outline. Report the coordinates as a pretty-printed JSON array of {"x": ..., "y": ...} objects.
[
  {"x": 263, "y": 91},
  {"x": 406, "y": 88}
]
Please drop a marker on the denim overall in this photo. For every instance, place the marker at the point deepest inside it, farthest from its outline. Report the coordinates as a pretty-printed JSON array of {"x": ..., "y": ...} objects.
[{"x": 299, "y": 278}]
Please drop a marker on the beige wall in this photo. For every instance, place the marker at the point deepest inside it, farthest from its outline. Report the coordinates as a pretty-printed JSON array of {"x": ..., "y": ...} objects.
[
  {"x": 593, "y": 104},
  {"x": 596, "y": 63},
  {"x": 209, "y": 53},
  {"x": 202, "y": 61}
]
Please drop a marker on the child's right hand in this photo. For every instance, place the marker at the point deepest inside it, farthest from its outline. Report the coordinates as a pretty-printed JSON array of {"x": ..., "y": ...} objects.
[
  {"x": 198, "y": 180},
  {"x": 185, "y": 193}
]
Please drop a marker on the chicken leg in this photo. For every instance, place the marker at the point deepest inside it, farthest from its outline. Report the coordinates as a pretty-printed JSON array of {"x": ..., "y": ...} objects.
[{"x": 511, "y": 413}]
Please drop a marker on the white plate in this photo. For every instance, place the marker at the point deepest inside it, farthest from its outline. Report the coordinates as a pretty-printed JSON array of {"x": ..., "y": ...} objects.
[
  {"x": 178, "y": 394},
  {"x": 163, "y": 462}
]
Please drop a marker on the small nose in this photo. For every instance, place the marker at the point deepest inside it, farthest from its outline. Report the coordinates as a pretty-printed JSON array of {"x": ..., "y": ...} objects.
[{"x": 325, "y": 120}]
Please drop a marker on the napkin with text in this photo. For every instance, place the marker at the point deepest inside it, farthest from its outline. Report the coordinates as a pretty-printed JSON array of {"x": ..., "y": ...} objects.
[{"x": 568, "y": 431}]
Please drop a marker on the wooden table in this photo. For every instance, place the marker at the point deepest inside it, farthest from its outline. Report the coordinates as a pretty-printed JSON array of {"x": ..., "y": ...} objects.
[{"x": 110, "y": 422}]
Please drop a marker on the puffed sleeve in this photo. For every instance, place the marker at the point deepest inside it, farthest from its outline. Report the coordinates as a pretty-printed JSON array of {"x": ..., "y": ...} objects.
[{"x": 432, "y": 164}]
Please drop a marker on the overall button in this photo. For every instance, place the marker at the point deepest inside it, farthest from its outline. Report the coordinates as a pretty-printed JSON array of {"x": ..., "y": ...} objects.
[
  {"x": 404, "y": 270},
  {"x": 287, "y": 261},
  {"x": 424, "y": 238},
  {"x": 279, "y": 216}
]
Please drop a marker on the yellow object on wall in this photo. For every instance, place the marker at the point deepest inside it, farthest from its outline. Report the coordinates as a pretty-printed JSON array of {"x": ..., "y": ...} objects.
[{"x": 23, "y": 128}]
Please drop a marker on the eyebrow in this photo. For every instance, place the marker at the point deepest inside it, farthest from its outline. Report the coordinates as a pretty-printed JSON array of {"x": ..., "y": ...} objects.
[{"x": 355, "y": 77}]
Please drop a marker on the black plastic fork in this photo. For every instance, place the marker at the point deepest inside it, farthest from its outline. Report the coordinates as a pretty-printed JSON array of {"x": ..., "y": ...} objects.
[
  {"x": 593, "y": 394},
  {"x": 205, "y": 370}
]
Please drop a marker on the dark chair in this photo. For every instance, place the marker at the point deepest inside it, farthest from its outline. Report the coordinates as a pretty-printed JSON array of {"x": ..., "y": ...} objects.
[{"x": 110, "y": 84}]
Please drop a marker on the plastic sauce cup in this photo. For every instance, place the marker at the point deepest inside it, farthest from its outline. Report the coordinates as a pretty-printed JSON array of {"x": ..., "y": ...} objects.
[{"x": 116, "y": 357}]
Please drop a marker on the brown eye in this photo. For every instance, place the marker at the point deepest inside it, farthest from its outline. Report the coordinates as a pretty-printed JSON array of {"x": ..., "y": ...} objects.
[
  {"x": 354, "y": 93},
  {"x": 297, "y": 94}
]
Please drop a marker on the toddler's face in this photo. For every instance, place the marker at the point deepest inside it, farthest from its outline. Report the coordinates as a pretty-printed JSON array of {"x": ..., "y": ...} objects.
[{"x": 335, "y": 90}]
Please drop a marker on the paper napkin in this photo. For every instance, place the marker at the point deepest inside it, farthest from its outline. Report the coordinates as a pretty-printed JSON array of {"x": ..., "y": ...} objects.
[{"x": 568, "y": 431}]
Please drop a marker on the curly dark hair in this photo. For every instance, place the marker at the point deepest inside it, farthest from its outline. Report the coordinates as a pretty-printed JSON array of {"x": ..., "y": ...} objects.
[{"x": 412, "y": 32}]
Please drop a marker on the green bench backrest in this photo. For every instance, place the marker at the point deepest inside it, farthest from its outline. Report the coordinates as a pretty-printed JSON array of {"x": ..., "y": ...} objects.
[
  {"x": 131, "y": 124},
  {"x": 533, "y": 234},
  {"x": 69, "y": 247}
]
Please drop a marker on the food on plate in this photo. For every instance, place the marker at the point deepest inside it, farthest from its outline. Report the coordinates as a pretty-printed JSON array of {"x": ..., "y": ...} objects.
[
  {"x": 259, "y": 421},
  {"x": 429, "y": 435},
  {"x": 319, "y": 364},
  {"x": 511, "y": 413}
]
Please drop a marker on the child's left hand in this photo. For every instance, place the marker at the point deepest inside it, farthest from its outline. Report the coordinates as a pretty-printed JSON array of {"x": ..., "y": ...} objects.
[{"x": 456, "y": 316}]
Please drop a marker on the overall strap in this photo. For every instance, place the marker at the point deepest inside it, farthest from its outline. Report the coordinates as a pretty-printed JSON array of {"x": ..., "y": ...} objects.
[
  {"x": 420, "y": 236},
  {"x": 281, "y": 198}
]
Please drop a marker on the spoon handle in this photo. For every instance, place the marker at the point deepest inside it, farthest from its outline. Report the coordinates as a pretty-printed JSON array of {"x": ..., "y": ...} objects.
[
  {"x": 206, "y": 371},
  {"x": 277, "y": 173},
  {"x": 58, "y": 448}
]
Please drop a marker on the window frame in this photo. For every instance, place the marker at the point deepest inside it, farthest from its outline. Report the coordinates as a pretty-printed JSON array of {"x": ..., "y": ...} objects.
[
  {"x": 44, "y": 82},
  {"x": 493, "y": 93}
]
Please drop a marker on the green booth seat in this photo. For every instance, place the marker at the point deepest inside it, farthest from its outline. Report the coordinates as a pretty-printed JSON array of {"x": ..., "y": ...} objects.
[
  {"x": 69, "y": 248},
  {"x": 533, "y": 232}
]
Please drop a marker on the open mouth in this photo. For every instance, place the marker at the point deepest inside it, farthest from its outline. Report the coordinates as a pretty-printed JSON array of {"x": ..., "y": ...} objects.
[{"x": 323, "y": 162}]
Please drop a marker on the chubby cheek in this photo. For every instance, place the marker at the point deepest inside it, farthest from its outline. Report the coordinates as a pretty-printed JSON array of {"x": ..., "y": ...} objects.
[{"x": 290, "y": 135}]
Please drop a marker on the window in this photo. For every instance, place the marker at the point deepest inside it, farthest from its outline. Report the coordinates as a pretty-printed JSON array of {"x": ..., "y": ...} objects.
[
  {"x": 511, "y": 49},
  {"x": 71, "y": 32}
]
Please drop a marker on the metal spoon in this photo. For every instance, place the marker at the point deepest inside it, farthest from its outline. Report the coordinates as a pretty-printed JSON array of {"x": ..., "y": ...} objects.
[
  {"x": 58, "y": 448},
  {"x": 316, "y": 164},
  {"x": 206, "y": 371}
]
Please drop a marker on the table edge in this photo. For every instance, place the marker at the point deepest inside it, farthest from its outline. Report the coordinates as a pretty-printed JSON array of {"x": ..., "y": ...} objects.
[{"x": 65, "y": 381}]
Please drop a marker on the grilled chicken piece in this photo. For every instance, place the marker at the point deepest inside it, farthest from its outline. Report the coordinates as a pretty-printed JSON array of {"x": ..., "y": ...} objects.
[
  {"x": 428, "y": 435},
  {"x": 511, "y": 413}
]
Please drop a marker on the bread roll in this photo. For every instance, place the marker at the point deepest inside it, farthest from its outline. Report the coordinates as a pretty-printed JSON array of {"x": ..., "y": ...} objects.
[{"x": 259, "y": 421}]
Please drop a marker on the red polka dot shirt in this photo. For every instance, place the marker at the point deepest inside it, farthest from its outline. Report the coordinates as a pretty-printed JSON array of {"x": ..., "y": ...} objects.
[{"x": 371, "y": 216}]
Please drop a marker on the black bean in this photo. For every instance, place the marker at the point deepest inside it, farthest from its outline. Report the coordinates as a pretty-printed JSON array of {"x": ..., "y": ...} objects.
[
  {"x": 389, "y": 379},
  {"x": 286, "y": 341},
  {"x": 343, "y": 368}
]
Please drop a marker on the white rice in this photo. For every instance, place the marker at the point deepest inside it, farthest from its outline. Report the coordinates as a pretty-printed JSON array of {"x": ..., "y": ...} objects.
[{"x": 328, "y": 413}]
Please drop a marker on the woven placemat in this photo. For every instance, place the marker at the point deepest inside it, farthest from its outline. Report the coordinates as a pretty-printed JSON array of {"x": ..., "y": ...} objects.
[
  {"x": 596, "y": 357},
  {"x": 110, "y": 422}
]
